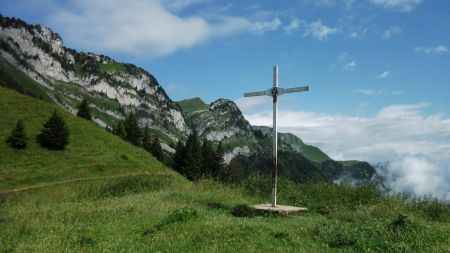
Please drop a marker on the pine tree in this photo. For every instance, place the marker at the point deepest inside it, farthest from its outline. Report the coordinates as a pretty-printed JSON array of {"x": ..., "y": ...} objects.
[
  {"x": 193, "y": 157},
  {"x": 18, "y": 138},
  {"x": 132, "y": 130},
  {"x": 146, "y": 140},
  {"x": 84, "y": 111},
  {"x": 179, "y": 163},
  {"x": 234, "y": 172},
  {"x": 156, "y": 149},
  {"x": 55, "y": 134},
  {"x": 219, "y": 162},
  {"x": 208, "y": 156},
  {"x": 119, "y": 130}
]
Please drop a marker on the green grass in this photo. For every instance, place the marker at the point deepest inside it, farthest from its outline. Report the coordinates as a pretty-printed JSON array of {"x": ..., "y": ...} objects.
[
  {"x": 92, "y": 151},
  {"x": 192, "y": 105},
  {"x": 153, "y": 214},
  {"x": 114, "y": 67},
  {"x": 104, "y": 195}
]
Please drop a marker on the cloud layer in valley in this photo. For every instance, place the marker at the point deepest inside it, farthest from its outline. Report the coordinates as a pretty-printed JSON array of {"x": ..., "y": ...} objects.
[{"x": 414, "y": 146}]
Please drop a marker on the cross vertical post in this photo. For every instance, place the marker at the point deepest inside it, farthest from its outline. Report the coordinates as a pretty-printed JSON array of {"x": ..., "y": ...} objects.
[
  {"x": 274, "y": 92},
  {"x": 275, "y": 136}
]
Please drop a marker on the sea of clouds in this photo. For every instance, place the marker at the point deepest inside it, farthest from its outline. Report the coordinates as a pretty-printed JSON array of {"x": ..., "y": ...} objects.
[{"x": 413, "y": 147}]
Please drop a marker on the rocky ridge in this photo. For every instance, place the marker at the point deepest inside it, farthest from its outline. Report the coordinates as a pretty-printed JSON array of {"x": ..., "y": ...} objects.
[{"x": 68, "y": 75}]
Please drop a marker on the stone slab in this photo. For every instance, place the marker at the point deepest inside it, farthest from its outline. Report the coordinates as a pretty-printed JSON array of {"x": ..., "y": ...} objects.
[{"x": 280, "y": 209}]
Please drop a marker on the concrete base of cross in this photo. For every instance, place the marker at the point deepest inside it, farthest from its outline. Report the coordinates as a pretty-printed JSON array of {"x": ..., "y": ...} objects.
[{"x": 280, "y": 209}]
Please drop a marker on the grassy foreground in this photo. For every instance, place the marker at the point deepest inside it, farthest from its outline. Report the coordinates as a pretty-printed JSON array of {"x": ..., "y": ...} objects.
[{"x": 154, "y": 214}]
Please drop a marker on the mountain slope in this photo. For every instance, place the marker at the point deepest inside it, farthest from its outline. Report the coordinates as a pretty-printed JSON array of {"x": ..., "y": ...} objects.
[
  {"x": 84, "y": 157},
  {"x": 113, "y": 88}
]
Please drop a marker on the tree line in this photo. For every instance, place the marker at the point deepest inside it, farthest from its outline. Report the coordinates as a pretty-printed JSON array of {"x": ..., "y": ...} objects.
[
  {"x": 129, "y": 130},
  {"x": 197, "y": 160}
]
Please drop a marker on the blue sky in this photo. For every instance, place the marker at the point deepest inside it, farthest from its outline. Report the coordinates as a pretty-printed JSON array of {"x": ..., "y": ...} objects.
[{"x": 378, "y": 69}]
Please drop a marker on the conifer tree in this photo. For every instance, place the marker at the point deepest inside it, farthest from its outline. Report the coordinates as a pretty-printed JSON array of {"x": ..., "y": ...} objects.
[
  {"x": 179, "y": 163},
  {"x": 55, "y": 134},
  {"x": 18, "y": 138},
  {"x": 219, "y": 162},
  {"x": 208, "y": 157},
  {"x": 84, "y": 111},
  {"x": 193, "y": 157},
  {"x": 233, "y": 172},
  {"x": 119, "y": 130},
  {"x": 132, "y": 130},
  {"x": 156, "y": 149},
  {"x": 146, "y": 140}
]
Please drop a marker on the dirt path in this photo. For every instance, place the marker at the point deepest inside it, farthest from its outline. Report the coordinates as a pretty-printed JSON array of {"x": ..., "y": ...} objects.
[{"x": 70, "y": 181}]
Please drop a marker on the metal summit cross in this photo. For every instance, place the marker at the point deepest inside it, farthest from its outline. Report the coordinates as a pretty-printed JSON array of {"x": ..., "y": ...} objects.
[{"x": 275, "y": 92}]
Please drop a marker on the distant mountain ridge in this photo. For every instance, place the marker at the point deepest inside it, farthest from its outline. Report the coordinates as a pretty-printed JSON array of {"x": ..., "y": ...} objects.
[{"x": 34, "y": 61}]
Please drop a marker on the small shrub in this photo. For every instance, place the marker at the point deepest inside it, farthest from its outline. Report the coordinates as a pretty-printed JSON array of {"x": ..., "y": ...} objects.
[
  {"x": 399, "y": 223},
  {"x": 243, "y": 210},
  {"x": 86, "y": 241},
  {"x": 214, "y": 205},
  {"x": 281, "y": 236},
  {"x": 180, "y": 215}
]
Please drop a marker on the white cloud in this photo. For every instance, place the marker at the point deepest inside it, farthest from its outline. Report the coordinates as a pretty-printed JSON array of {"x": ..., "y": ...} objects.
[
  {"x": 432, "y": 50},
  {"x": 249, "y": 104},
  {"x": 384, "y": 75},
  {"x": 260, "y": 27},
  {"x": 145, "y": 28},
  {"x": 319, "y": 31},
  {"x": 137, "y": 27},
  {"x": 416, "y": 145},
  {"x": 367, "y": 92},
  {"x": 401, "y": 5},
  {"x": 378, "y": 92},
  {"x": 350, "y": 66},
  {"x": 293, "y": 26},
  {"x": 391, "y": 31}
]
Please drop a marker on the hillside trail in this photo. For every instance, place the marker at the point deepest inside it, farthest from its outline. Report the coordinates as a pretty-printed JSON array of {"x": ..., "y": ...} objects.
[{"x": 74, "y": 180}]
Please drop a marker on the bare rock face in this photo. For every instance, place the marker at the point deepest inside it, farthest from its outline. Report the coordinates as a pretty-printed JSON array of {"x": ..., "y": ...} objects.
[
  {"x": 68, "y": 76},
  {"x": 224, "y": 122}
]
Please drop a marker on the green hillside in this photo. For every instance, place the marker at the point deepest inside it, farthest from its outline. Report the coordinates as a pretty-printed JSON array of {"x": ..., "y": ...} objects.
[
  {"x": 92, "y": 151},
  {"x": 192, "y": 105},
  {"x": 311, "y": 152}
]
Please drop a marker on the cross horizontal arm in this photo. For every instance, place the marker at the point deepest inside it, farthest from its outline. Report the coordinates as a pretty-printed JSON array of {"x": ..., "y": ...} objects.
[
  {"x": 259, "y": 93},
  {"x": 291, "y": 90}
]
